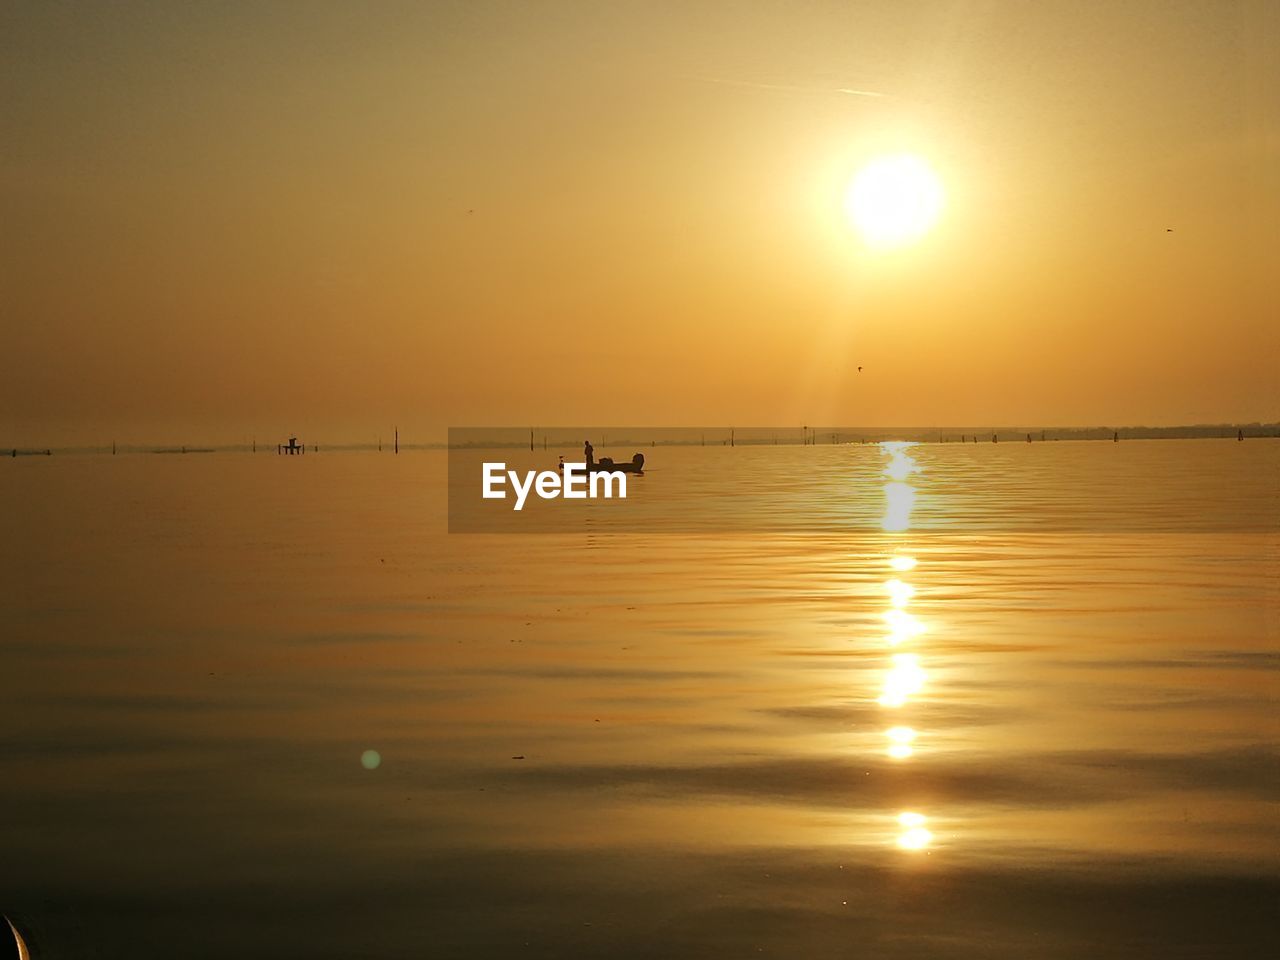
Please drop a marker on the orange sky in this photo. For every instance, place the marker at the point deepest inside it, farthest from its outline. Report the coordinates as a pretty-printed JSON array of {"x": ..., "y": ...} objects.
[{"x": 242, "y": 219}]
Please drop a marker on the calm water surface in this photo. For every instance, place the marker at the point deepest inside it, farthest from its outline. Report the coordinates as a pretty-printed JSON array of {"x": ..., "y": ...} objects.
[{"x": 968, "y": 701}]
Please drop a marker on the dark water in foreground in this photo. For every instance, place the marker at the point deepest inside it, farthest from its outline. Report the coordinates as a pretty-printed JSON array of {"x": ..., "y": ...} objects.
[{"x": 1002, "y": 722}]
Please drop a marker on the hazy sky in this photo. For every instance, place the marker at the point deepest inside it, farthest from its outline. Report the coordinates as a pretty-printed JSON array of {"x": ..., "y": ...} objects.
[{"x": 227, "y": 219}]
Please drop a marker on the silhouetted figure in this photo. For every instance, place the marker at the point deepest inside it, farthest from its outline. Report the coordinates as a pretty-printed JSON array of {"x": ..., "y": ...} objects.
[
  {"x": 589, "y": 452},
  {"x": 1239, "y": 434}
]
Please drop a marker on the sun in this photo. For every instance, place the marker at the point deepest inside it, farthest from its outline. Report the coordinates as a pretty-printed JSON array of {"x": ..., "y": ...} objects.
[{"x": 894, "y": 200}]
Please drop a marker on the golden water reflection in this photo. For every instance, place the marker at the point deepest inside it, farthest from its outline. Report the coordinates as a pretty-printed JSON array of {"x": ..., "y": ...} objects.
[
  {"x": 901, "y": 465},
  {"x": 905, "y": 677},
  {"x": 900, "y": 740},
  {"x": 900, "y": 593},
  {"x": 904, "y": 680},
  {"x": 914, "y": 836},
  {"x": 900, "y": 498},
  {"x": 902, "y": 626}
]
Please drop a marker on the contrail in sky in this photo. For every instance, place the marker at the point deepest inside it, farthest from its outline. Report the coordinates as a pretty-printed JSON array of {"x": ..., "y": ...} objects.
[{"x": 847, "y": 91}]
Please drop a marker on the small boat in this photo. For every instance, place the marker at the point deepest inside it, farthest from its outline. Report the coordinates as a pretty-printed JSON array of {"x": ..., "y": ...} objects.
[{"x": 606, "y": 465}]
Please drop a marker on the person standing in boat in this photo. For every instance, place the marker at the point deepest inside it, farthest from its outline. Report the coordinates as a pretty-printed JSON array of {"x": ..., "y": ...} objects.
[{"x": 589, "y": 453}]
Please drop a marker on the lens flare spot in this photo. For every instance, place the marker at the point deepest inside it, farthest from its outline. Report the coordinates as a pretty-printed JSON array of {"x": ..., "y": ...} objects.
[{"x": 371, "y": 759}]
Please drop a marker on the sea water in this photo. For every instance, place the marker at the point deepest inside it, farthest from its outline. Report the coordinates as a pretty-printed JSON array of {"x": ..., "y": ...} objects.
[{"x": 852, "y": 700}]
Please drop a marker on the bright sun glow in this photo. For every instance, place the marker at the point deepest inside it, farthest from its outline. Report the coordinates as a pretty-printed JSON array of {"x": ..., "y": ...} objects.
[{"x": 894, "y": 201}]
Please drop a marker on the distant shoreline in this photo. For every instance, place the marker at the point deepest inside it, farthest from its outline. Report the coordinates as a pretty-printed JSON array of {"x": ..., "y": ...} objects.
[{"x": 560, "y": 437}]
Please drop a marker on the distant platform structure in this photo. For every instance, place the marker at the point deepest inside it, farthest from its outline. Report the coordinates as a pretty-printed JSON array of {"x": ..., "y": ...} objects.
[{"x": 291, "y": 447}]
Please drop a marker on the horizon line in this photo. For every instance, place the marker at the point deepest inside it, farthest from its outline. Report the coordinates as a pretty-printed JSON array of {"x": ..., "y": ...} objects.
[{"x": 751, "y": 436}]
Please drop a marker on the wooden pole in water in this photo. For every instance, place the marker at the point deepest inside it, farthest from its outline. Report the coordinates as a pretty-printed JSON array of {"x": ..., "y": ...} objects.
[
  {"x": 113, "y": 448},
  {"x": 397, "y": 429},
  {"x": 531, "y": 440}
]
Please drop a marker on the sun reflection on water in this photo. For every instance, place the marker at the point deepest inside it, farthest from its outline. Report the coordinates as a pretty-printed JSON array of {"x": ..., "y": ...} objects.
[
  {"x": 901, "y": 465},
  {"x": 902, "y": 626},
  {"x": 914, "y": 835},
  {"x": 900, "y": 498},
  {"x": 900, "y": 593},
  {"x": 900, "y": 739},
  {"x": 905, "y": 677}
]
